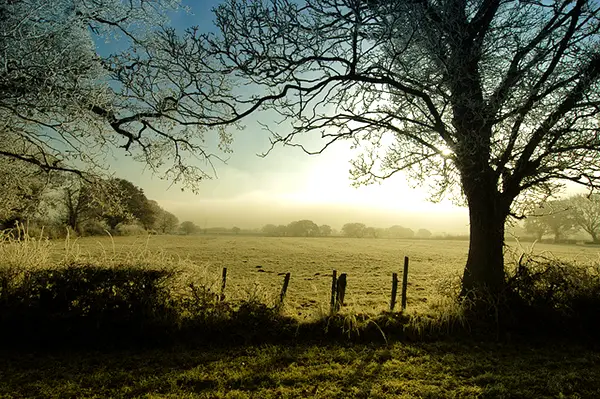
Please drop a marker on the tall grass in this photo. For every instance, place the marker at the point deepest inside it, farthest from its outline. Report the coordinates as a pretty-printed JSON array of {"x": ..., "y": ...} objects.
[
  {"x": 139, "y": 296},
  {"x": 18, "y": 249},
  {"x": 142, "y": 294}
]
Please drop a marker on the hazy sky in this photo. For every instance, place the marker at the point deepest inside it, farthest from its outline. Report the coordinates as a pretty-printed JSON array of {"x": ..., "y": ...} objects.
[{"x": 288, "y": 185}]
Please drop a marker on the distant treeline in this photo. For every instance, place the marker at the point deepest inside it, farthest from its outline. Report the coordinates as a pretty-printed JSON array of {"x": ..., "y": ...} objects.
[
  {"x": 58, "y": 205},
  {"x": 308, "y": 228}
]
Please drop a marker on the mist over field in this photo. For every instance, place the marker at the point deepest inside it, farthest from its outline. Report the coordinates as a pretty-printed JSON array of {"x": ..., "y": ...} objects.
[{"x": 248, "y": 215}]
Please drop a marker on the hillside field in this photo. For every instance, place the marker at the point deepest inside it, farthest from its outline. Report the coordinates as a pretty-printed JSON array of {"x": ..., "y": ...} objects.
[{"x": 256, "y": 265}]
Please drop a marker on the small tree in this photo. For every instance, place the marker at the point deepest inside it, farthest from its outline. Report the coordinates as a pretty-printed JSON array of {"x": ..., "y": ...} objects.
[
  {"x": 325, "y": 230},
  {"x": 553, "y": 217},
  {"x": 303, "y": 228},
  {"x": 371, "y": 232},
  {"x": 355, "y": 230},
  {"x": 400, "y": 232},
  {"x": 235, "y": 230},
  {"x": 586, "y": 213},
  {"x": 164, "y": 221},
  {"x": 269, "y": 230},
  {"x": 189, "y": 227},
  {"x": 423, "y": 233},
  {"x": 535, "y": 225},
  {"x": 281, "y": 231}
]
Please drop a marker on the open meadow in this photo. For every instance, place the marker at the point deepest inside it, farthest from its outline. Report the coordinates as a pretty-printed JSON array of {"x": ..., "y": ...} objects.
[{"x": 256, "y": 265}]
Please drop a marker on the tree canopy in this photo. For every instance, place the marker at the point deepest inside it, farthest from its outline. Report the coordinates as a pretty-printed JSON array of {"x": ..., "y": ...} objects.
[
  {"x": 65, "y": 104},
  {"x": 356, "y": 230}
]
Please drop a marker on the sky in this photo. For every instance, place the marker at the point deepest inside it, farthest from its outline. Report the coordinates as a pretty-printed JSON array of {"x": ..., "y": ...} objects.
[{"x": 250, "y": 191}]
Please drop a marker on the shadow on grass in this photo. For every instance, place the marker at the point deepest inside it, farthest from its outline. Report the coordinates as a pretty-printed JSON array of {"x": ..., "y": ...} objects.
[{"x": 425, "y": 370}]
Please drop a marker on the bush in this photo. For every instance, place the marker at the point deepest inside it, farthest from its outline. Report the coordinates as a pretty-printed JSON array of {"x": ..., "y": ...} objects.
[
  {"x": 130, "y": 230},
  {"x": 553, "y": 295},
  {"x": 93, "y": 228},
  {"x": 83, "y": 302}
]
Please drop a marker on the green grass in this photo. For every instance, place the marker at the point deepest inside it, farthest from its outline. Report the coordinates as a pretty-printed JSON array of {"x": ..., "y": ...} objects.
[{"x": 428, "y": 370}]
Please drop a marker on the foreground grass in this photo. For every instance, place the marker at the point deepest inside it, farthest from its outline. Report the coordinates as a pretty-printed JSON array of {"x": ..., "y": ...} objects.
[{"x": 425, "y": 370}]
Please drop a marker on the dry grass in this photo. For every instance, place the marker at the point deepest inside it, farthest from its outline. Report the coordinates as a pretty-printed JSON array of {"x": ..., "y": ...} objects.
[{"x": 256, "y": 265}]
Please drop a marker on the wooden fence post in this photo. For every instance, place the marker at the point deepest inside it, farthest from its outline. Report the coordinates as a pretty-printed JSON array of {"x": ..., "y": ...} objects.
[
  {"x": 404, "y": 282},
  {"x": 394, "y": 291},
  {"x": 333, "y": 292},
  {"x": 223, "y": 282},
  {"x": 286, "y": 282},
  {"x": 340, "y": 292}
]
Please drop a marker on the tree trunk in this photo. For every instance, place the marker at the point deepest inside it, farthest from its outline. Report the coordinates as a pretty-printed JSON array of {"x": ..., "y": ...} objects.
[{"x": 484, "y": 272}]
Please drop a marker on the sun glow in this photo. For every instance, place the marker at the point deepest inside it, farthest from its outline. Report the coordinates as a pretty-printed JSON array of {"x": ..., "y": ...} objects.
[{"x": 446, "y": 152}]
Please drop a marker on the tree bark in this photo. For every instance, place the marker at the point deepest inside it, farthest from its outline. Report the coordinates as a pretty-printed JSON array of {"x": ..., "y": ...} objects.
[{"x": 484, "y": 272}]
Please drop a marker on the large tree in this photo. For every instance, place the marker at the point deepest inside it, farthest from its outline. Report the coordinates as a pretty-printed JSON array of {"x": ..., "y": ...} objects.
[
  {"x": 496, "y": 98},
  {"x": 132, "y": 205},
  {"x": 80, "y": 78}
]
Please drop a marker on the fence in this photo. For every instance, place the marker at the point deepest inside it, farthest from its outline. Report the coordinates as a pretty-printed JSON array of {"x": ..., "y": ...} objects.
[{"x": 338, "y": 289}]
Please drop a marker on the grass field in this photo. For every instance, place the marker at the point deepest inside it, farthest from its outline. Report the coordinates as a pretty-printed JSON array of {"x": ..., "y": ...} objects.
[
  {"x": 256, "y": 265},
  {"x": 450, "y": 368}
]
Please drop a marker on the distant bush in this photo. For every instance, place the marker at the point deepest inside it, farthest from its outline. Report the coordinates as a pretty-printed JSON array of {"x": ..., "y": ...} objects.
[
  {"x": 94, "y": 228},
  {"x": 130, "y": 230}
]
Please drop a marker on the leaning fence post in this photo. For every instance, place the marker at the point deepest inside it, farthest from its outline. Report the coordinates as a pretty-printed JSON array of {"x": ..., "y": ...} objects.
[
  {"x": 333, "y": 291},
  {"x": 394, "y": 291},
  {"x": 286, "y": 282},
  {"x": 404, "y": 282},
  {"x": 223, "y": 282},
  {"x": 340, "y": 292}
]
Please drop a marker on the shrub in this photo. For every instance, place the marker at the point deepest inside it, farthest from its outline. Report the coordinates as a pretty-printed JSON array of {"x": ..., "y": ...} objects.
[
  {"x": 542, "y": 291},
  {"x": 83, "y": 302},
  {"x": 93, "y": 228},
  {"x": 130, "y": 230}
]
